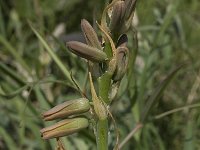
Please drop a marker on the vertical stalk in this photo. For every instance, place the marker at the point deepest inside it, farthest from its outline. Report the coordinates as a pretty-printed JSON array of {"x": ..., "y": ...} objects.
[
  {"x": 102, "y": 125},
  {"x": 104, "y": 87},
  {"x": 102, "y": 134}
]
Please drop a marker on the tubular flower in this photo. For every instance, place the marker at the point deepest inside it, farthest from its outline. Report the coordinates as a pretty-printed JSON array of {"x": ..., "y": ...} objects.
[
  {"x": 122, "y": 58},
  {"x": 64, "y": 128},
  {"x": 122, "y": 14},
  {"x": 117, "y": 16},
  {"x": 67, "y": 108},
  {"x": 86, "y": 51},
  {"x": 130, "y": 8}
]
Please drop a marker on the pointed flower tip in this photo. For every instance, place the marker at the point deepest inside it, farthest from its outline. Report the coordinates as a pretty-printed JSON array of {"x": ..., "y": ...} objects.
[
  {"x": 90, "y": 34},
  {"x": 64, "y": 128},
  {"x": 84, "y": 21},
  {"x": 99, "y": 107}
]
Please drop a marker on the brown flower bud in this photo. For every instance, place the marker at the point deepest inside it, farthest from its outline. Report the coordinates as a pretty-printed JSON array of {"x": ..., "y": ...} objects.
[
  {"x": 90, "y": 34},
  {"x": 122, "y": 58},
  {"x": 64, "y": 128},
  {"x": 87, "y": 52},
  {"x": 130, "y": 8},
  {"x": 117, "y": 16},
  {"x": 67, "y": 108},
  {"x": 122, "y": 63}
]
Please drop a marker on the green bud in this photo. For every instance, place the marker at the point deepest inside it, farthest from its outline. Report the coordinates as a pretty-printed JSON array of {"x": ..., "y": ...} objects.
[
  {"x": 67, "y": 108},
  {"x": 117, "y": 16},
  {"x": 99, "y": 107},
  {"x": 90, "y": 34},
  {"x": 87, "y": 52},
  {"x": 64, "y": 128}
]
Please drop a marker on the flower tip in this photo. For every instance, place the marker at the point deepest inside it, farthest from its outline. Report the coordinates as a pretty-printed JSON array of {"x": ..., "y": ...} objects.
[
  {"x": 44, "y": 116},
  {"x": 83, "y": 21},
  {"x": 68, "y": 44}
]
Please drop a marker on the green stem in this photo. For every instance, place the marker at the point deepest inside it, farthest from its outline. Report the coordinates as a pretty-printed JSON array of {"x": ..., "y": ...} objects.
[
  {"x": 104, "y": 83},
  {"x": 102, "y": 125},
  {"x": 102, "y": 134},
  {"x": 104, "y": 87}
]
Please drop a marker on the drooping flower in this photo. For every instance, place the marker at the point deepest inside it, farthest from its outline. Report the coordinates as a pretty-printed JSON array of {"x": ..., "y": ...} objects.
[
  {"x": 64, "y": 128},
  {"x": 67, "y": 108}
]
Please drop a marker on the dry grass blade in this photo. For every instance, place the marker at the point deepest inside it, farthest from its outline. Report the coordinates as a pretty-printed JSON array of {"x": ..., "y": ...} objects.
[
  {"x": 177, "y": 110},
  {"x": 129, "y": 136}
]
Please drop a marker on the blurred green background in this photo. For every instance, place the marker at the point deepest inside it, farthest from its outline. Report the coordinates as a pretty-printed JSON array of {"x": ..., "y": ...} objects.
[{"x": 31, "y": 81}]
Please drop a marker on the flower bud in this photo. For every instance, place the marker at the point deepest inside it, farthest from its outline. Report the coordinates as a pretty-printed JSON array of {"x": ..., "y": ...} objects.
[
  {"x": 122, "y": 63},
  {"x": 67, "y": 108},
  {"x": 117, "y": 16},
  {"x": 87, "y": 52},
  {"x": 99, "y": 107},
  {"x": 130, "y": 8},
  {"x": 122, "y": 58},
  {"x": 90, "y": 34},
  {"x": 64, "y": 128}
]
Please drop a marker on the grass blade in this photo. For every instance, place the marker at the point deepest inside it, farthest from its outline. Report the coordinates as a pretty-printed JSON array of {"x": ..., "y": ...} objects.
[
  {"x": 14, "y": 53},
  {"x": 153, "y": 99},
  {"x": 13, "y": 94},
  {"x": 52, "y": 54},
  {"x": 10, "y": 72},
  {"x": 8, "y": 139}
]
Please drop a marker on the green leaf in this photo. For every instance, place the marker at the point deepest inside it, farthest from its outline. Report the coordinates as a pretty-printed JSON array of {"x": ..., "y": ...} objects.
[
  {"x": 11, "y": 72},
  {"x": 7, "y": 138},
  {"x": 14, "y": 53},
  {"x": 167, "y": 21},
  {"x": 156, "y": 95},
  {"x": 190, "y": 139}
]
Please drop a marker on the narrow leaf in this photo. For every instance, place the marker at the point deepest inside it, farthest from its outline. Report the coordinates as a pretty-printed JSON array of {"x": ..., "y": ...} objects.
[
  {"x": 156, "y": 95},
  {"x": 11, "y": 72},
  {"x": 7, "y": 138},
  {"x": 14, "y": 53},
  {"x": 13, "y": 94},
  {"x": 52, "y": 54}
]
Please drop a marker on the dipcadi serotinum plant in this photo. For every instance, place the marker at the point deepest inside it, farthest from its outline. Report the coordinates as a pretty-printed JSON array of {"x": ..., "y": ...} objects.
[{"x": 107, "y": 60}]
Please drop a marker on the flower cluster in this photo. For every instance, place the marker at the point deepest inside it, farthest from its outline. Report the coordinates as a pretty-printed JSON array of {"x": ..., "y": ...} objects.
[
  {"x": 108, "y": 61},
  {"x": 66, "y": 126},
  {"x": 121, "y": 17}
]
